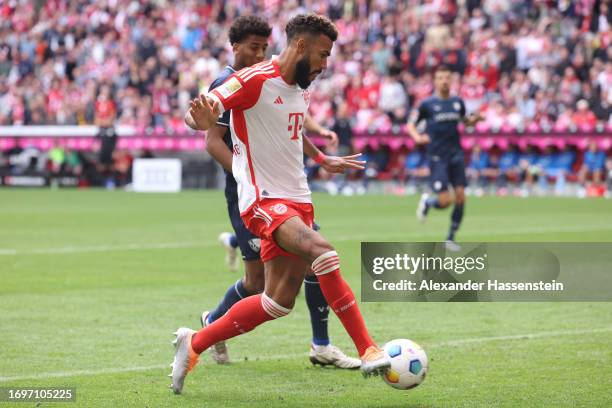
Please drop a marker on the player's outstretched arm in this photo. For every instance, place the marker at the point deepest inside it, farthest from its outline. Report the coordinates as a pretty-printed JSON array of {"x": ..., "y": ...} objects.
[
  {"x": 217, "y": 147},
  {"x": 339, "y": 164},
  {"x": 313, "y": 127},
  {"x": 332, "y": 164},
  {"x": 411, "y": 127},
  {"x": 203, "y": 113},
  {"x": 415, "y": 135}
]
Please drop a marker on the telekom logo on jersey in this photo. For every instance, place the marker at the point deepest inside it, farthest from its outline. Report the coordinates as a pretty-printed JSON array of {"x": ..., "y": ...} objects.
[{"x": 296, "y": 121}]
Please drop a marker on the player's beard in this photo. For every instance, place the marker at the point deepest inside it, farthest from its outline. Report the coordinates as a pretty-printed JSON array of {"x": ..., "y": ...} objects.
[{"x": 302, "y": 73}]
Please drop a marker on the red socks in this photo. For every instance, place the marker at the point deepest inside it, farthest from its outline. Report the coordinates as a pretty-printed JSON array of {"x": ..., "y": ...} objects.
[
  {"x": 243, "y": 317},
  {"x": 252, "y": 311},
  {"x": 341, "y": 299}
]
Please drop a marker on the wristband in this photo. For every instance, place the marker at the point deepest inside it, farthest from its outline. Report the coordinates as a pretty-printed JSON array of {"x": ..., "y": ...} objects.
[{"x": 320, "y": 158}]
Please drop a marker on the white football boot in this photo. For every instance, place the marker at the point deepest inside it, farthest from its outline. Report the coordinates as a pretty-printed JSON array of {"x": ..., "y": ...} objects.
[
  {"x": 185, "y": 359},
  {"x": 332, "y": 355},
  {"x": 231, "y": 253},
  {"x": 218, "y": 351},
  {"x": 452, "y": 246},
  {"x": 421, "y": 211}
]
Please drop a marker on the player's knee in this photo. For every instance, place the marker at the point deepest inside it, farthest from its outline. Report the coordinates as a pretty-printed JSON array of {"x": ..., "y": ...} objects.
[
  {"x": 254, "y": 278},
  {"x": 460, "y": 199},
  {"x": 320, "y": 247},
  {"x": 253, "y": 285}
]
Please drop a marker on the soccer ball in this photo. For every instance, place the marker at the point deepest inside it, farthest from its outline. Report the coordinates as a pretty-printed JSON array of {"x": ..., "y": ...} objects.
[{"x": 409, "y": 364}]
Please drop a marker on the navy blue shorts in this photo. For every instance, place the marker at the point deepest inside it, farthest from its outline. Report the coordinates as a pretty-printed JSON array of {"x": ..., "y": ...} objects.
[
  {"x": 249, "y": 244},
  {"x": 445, "y": 171}
]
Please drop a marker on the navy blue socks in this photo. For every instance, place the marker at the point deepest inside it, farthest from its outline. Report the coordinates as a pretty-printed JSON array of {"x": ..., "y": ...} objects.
[{"x": 319, "y": 310}]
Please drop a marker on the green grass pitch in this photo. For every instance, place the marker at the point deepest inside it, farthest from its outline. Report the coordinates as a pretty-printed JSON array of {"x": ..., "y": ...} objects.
[{"x": 93, "y": 283}]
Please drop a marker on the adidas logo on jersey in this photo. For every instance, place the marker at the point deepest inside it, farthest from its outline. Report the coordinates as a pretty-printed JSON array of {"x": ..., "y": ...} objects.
[{"x": 278, "y": 101}]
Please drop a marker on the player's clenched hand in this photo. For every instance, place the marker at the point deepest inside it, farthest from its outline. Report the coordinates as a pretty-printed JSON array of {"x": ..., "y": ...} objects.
[
  {"x": 336, "y": 164},
  {"x": 204, "y": 114},
  {"x": 423, "y": 139}
]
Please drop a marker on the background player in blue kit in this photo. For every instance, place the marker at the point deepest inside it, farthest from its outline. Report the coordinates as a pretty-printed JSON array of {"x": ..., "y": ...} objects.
[
  {"x": 249, "y": 39},
  {"x": 442, "y": 114}
]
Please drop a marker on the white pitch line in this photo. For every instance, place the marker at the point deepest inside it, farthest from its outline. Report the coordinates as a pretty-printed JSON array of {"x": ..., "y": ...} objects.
[
  {"x": 104, "y": 248},
  {"x": 77, "y": 373},
  {"x": 404, "y": 236},
  {"x": 528, "y": 336},
  {"x": 451, "y": 343}
]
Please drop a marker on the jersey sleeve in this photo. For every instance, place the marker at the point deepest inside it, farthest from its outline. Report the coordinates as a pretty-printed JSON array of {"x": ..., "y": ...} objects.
[
  {"x": 224, "y": 119},
  {"x": 419, "y": 114},
  {"x": 462, "y": 111},
  {"x": 235, "y": 93}
]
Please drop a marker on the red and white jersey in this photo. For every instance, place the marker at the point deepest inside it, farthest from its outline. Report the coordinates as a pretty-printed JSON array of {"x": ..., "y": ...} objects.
[{"x": 267, "y": 116}]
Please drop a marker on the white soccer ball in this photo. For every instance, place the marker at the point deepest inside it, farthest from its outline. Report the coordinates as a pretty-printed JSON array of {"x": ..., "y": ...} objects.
[{"x": 409, "y": 364}]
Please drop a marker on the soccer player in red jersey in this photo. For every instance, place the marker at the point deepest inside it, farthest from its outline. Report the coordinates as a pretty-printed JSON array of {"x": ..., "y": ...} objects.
[
  {"x": 268, "y": 104},
  {"x": 248, "y": 36}
]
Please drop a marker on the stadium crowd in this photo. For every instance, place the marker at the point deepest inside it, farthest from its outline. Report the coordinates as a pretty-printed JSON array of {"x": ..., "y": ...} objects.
[
  {"x": 519, "y": 62},
  {"x": 535, "y": 64}
]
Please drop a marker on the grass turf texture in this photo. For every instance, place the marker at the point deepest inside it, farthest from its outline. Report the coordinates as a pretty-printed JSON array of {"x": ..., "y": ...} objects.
[{"x": 93, "y": 283}]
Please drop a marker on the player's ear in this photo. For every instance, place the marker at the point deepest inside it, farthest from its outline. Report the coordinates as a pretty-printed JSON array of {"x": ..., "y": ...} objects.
[
  {"x": 301, "y": 45},
  {"x": 235, "y": 47}
]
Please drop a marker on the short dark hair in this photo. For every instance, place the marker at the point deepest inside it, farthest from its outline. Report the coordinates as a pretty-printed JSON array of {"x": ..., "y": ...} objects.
[
  {"x": 244, "y": 26},
  {"x": 311, "y": 24},
  {"x": 442, "y": 68}
]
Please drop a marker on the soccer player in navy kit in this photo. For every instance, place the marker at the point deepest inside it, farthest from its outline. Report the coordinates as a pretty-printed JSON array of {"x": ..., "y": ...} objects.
[
  {"x": 249, "y": 39},
  {"x": 442, "y": 114}
]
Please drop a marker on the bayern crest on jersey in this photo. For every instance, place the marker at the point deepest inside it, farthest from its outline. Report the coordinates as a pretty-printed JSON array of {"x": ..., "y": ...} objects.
[{"x": 279, "y": 208}]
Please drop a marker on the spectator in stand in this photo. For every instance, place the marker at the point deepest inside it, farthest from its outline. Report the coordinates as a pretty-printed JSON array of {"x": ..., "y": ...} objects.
[
  {"x": 476, "y": 169},
  {"x": 122, "y": 167},
  {"x": 392, "y": 97},
  {"x": 494, "y": 116},
  {"x": 583, "y": 118},
  {"x": 528, "y": 166},
  {"x": 417, "y": 169},
  {"x": 569, "y": 87},
  {"x": 105, "y": 115},
  {"x": 555, "y": 166},
  {"x": 593, "y": 164},
  {"x": 344, "y": 129},
  {"x": 56, "y": 160},
  {"x": 473, "y": 93},
  {"x": 508, "y": 169},
  {"x": 565, "y": 120}
]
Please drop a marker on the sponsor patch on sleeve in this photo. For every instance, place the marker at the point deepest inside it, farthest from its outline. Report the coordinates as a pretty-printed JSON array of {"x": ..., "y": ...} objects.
[{"x": 229, "y": 87}]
